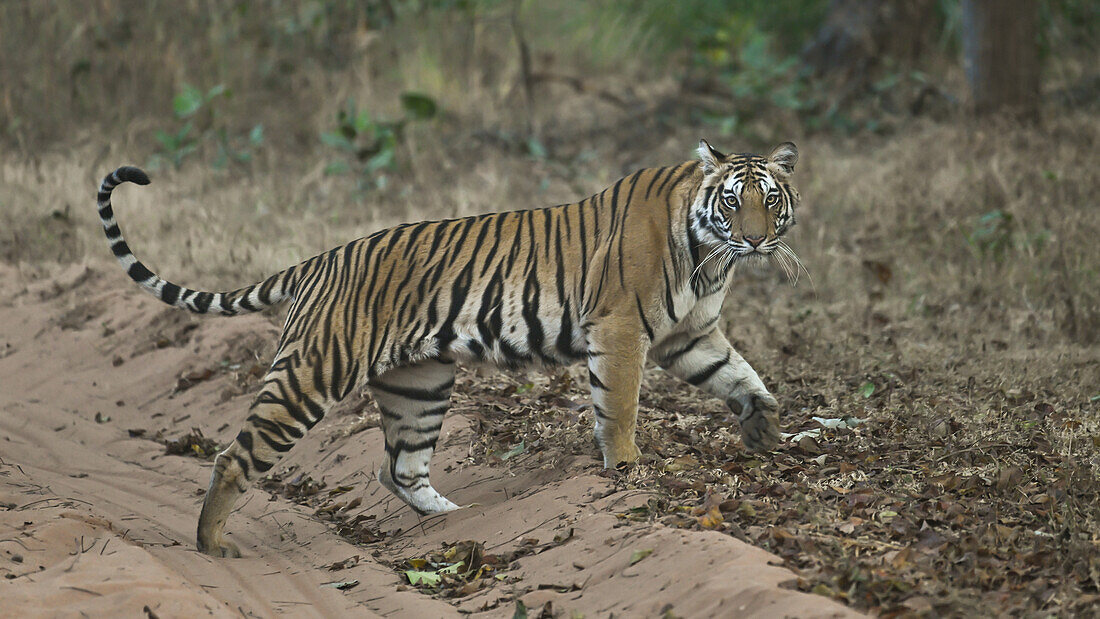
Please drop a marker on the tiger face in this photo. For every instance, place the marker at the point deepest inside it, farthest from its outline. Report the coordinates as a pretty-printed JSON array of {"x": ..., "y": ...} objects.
[{"x": 745, "y": 203}]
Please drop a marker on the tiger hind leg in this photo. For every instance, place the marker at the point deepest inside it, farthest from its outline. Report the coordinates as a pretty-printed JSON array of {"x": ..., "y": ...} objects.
[
  {"x": 286, "y": 408},
  {"x": 413, "y": 401}
]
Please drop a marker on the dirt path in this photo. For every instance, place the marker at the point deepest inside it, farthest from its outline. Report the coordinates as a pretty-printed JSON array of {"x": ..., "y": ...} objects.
[{"x": 95, "y": 517}]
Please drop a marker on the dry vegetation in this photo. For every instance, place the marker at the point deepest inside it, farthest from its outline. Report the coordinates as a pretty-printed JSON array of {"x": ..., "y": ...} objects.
[{"x": 952, "y": 296}]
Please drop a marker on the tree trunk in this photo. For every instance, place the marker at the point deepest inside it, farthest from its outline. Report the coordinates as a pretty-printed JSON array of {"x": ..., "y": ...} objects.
[{"x": 1001, "y": 55}]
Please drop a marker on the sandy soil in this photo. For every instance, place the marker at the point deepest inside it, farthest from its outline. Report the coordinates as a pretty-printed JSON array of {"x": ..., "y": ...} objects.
[{"x": 95, "y": 518}]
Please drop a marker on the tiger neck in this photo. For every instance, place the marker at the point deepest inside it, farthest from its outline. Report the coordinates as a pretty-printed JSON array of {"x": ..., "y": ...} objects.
[{"x": 708, "y": 269}]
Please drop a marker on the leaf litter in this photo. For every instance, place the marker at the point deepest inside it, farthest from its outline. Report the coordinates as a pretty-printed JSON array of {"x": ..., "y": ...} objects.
[{"x": 884, "y": 498}]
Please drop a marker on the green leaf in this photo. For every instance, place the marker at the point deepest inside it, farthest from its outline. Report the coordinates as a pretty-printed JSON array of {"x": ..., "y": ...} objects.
[
  {"x": 521, "y": 610},
  {"x": 535, "y": 147},
  {"x": 336, "y": 140},
  {"x": 166, "y": 140},
  {"x": 362, "y": 122},
  {"x": 181, "y": 136},
  {"x": 867, "y": 389},
  {"x": 640, "y": 554},
  {"x": 336, "y": 168},
  {"x": 216, "y": 91},
  {"x": 418, "y": 106},
  {"x": 256, "y": 136},
  {"x": 451, "y": 569},
  {"x": 188, "y": 102},
  {"x": 515, "y": 451},
  {"x": 382, "y": 160},
  {"x": 417, "y": 577}
]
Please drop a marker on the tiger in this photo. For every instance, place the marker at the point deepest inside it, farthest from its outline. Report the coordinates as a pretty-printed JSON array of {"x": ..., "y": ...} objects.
[{"x": 636, "y": 272}]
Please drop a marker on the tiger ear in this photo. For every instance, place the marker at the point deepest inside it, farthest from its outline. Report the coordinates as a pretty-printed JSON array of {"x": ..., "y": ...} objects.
[
  {"x": 710, "y": 157},
  {"x": 784, "y": 156}
]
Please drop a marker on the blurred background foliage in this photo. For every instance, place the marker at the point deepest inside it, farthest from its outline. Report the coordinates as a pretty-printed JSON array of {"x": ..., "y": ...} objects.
[{"x": 118, "y": 65}]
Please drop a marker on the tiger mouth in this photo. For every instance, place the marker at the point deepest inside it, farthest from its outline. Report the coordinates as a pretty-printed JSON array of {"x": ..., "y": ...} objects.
[{"x": 743, "y": 249}]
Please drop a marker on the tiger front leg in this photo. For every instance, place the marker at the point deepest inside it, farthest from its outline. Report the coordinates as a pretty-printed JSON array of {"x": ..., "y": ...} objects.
[
  {"x": 615, "y": 361},
  {"x": 709, "y": 362}
]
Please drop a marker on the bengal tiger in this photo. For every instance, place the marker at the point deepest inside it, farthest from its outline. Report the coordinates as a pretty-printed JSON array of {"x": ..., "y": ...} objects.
[{"x": 638, "y": 271}]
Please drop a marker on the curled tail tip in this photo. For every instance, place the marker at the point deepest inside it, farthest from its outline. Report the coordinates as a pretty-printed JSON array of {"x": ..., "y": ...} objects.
[{"x": 132, "y": 174}]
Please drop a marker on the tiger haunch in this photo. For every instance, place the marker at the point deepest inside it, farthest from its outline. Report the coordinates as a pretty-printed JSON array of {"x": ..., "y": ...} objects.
[{"x": 638, "y": 271}]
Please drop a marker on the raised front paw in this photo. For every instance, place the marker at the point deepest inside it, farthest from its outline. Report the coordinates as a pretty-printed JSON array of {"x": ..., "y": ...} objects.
[{"x": 758, "y": 414}]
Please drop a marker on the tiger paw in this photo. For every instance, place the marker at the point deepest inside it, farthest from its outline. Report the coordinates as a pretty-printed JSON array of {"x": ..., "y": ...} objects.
[
  {"x": 223, "y": 549},
  {"x": 627, "y": 453},
  {"x": 758, "y": 414}
]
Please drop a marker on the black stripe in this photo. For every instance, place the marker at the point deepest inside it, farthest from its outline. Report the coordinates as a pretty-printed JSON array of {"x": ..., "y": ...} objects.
[
  {"x": 564, "y": 342},
  {"x": 530, "y": 312},
  {"x": 243, "y": 301},
  {"x": 273, "y": 444},
  {"x": 671, "y": 358},
  {"x": 202, "y": 301},
  {"x": 424, "y": 430},
  {"x": 245, "y": 466},
  {"x": 388, "y": 414},
  {"x": 169, "y": 293},
  {"x": 403, "y": 446},
  {"x": 439, "y": 394},
  {"x": 641, "y": 314},
  {"x": 138, "y": 272},
  {"x": 679, "y": 177},
  {"x": 436, "y": 410},
  {"x": 275, "y": 427},
  {"x": 670, "y": 303},
  {"x": 656, "y": 176},
  {"x": 703, "y": 375}
]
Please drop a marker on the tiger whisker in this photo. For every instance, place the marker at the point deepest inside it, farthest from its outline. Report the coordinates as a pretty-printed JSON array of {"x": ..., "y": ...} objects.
[
  {"x": 793, "y": 256},
  {"x": 784, "y": 263},
  {"x": 712, "y": 254}
]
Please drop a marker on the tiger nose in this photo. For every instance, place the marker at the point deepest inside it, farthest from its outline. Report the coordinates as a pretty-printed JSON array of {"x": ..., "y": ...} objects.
[{"x": 754, "y": 240}]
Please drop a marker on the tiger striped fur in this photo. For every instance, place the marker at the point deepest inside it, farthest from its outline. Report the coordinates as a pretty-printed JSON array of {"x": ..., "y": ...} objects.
[{"x": 637, "y": 271}]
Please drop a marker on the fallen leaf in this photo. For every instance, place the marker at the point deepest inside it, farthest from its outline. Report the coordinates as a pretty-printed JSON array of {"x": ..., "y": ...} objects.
[
  {"x": 639, "y": 555},
  {"x": 867, "y": 389},
  {"x": 515, "y": 451},
  {"x": 682, "y": 463},
  {"x": 417, "y": 577},
  {"x": 712, "y": 519}
]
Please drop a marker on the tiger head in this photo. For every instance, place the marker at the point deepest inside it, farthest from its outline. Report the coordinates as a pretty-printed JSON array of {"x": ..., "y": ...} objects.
[{"x": 745, "y": 203}]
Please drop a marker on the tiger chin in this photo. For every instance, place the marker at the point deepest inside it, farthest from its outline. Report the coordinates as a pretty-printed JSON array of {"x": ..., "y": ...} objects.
[{"x": 638, "y": 271}]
